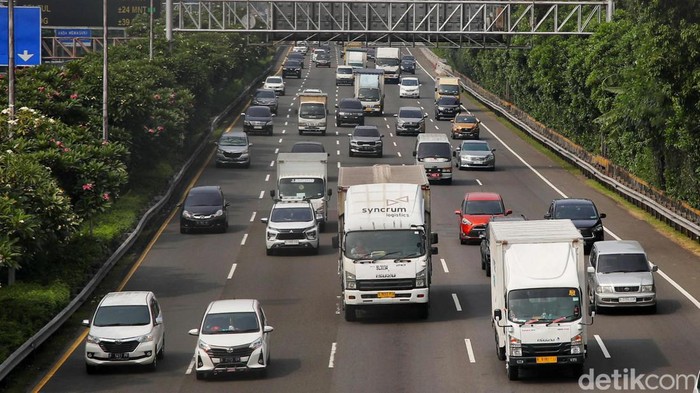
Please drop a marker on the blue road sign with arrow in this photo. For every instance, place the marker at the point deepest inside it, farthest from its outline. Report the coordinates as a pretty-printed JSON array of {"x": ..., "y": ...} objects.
[{"x": 27, "y": 25}]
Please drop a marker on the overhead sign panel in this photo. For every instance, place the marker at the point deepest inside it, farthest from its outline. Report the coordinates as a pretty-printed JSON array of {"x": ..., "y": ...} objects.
[
  {"x": 27, "y": 33},
  {"x": 88, "y": 13}
]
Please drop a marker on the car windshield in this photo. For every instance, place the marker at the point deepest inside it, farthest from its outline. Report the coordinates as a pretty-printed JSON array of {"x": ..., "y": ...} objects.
[
  {"x": 300, "y": 188},
  {"x": 291, "y": 214},
  {"x": 131, "y": 315},
  {"x": 392, "y": 244},
  {"x": 544, "y": 305},
  {"x": 307, "y": 148},
  {"x": 274, "y": 80},
  {"x": 471, "y": 146},
  {"x": 258, "y": 112},
  {"x": 265, "y": 94},
  {"x": 576, "y": 212},
  {"x": 465, "y": 119},
  {"x": 622, "y": 263},
  {"x": 409, "y": 82},
  {"x": 483, "y": 207},
  {"x": 228, "y": 323},
  {"x": 433, "y": 149},
  {"x": 366, "y": 132},
  {"x": 368, "y": 94},
  {"x": 448, "y": 101},
  {"x": 350, "y": 105},
  {"x": 410, "y": 114},
  {"x": 203, "y": 199},
  {"x": 232, "y": 140},
  {"x": 344, "y": 70}
]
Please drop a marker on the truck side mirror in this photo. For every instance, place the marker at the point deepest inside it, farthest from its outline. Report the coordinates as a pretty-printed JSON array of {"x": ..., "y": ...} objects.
[
  {"x": 433, "y": 238},
  {"x": 433, "y": 250},
  {"x": 454, "y": 153},
  {"x": 335, "y": 241},
  {"x": 414, "y": 154},
  {"x": 497, "y": 315},
  {"x": 272, "y": 193},
  {"x": 330, "y": 192}
]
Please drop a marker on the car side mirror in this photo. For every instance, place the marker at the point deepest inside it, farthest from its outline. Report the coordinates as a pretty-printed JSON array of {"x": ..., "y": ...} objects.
[
  {"x": 330, "y": 192},
  {"x": 654, "y": 268},
  {"x": 85, "y": 322},
  {"x": 452, "y": 120},
  {"x": 273, "y": 115},
  {"x": 336, "y": 105},
  {"x": 193, "y": 332},
  {"x": 227, "y": 204},
  {"x": 381, "y": 136},
  {"x": 264, "y": 220},
  {"x": 482, "y": 236},
  {"x": 396, "y": 115},
  {"x": 350, "y": 135},
  {"x": 243, "y": 114},
  {"x": 159, "y": 320},
  {"x": 547, "y": 216},
  {"x": 508, "y": 212},
  {"x": 493, "y": 150},
  {"x": 458, "y": 212},
  {"x": 268, "y": 329},
  {"x": 602, "y": 215}
]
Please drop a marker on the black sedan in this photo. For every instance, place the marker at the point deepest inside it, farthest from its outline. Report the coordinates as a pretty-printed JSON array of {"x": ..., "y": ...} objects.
[
  {"x": 258, "y": 119},
  {"x": 291, "y": 68},
  {"x": 204, "y": 208},
  {"x": 447, "y": 107}
]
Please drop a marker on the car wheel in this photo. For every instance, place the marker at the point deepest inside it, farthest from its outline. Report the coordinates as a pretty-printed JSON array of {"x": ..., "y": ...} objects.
[
  {"x": 269, "y": 251},
  {"x": 362, "y": 122},
  {"x": 269, "y": 132},
  {"x": 577, "y": 370},
  {"x": 323, "y": 133},
  {"x": 381, "y": 154},
  {"x": 351, "y": 154},
  {"x": 224, "y": 228},
  {"x": 183, "y": 229},
  {"x": 336, "y": 123},
  {"x": 161, "y": 352},
  {"x": 201, "y": 375},
  {"x": 462, "y": 241},
  {"x": 500, "y": 352},
  {"x": 322, "y": 226},
  {"x": 246, "y": 165},
  {"x": 90, "y": 369},
  {"x": 350, "y": 313},
  {"x": 314, "y": 250},
  {"x": 513, "y": 372},
  {"x": 154, "y": 364},
  {"x": 651, "y": 309},
  {"x": 448, "y": 181},
  {"x": 301, "y": 132}
]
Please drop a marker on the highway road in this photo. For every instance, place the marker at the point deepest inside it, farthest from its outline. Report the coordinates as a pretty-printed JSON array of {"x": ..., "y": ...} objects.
[{"x": 314, "y": 349}]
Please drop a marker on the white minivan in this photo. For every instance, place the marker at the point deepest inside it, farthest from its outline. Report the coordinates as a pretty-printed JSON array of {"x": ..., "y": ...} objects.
[{"x": 434, "y": 152}]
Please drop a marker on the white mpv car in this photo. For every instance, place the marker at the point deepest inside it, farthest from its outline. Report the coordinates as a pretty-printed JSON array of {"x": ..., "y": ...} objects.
[
  {"x": 275, "y": 83},
  {"x": 233, "y": 337},
  {"x": 126, "y": 329}
]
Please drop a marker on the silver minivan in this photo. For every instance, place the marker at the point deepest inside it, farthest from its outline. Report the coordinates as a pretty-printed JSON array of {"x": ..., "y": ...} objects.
[{"x": 620, "y": 275}]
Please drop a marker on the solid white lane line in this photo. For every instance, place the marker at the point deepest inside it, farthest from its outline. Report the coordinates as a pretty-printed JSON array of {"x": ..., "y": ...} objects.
[
  {"x": 262, "y": 194},
  {"x": 245, "y": 237},
  {"x": 233, "y": 269},
  {"x": 679, "y": 288},
  {"x": 602, "y": 346},
  {"x": 267, "y": 177},
  {"x": 470, "y": 351},
  {"x": 444, "y": 265},
  {"x": 456, "y": 301},
  {"x": 252, "y": 217},
  {"x": 331, "y": 361}
]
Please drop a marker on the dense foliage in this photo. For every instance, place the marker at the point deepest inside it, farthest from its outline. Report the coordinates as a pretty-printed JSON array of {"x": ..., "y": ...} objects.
[{"x": 630, "y": 92}]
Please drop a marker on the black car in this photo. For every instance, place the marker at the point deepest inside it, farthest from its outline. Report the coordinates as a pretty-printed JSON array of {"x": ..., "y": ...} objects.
[
  {"x": 349, "y": 111},
  {"x": 366, "y": 140},
  {"x": 485, "y": 250},
  {"x": 308, "y": 147},
  {"x": 291, "y": 68},
  {"x": 296, "y": 56},
  {"x": 585, "y": 216},
  {"x": 323, "y": 59},
  {"x": 408, "y": 64},
  {"x": 447, "y": 106},
  {"x": 258, "y": 119},
  {"x": 204, "y": 208},
  {"x": 266, "y": 97}
]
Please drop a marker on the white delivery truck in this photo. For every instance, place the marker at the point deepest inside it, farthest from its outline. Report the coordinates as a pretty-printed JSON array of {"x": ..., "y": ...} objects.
[
  {"x": 389, "y": 60},
  {"x": 369, "y": 89},
  {"x": 356, "y": 59},
  {"x": 540, "y": 309},
  {"x": 312, "y": 112},
  {"x": 304, "y": 176},
  {"x": 384, "y": 237}
]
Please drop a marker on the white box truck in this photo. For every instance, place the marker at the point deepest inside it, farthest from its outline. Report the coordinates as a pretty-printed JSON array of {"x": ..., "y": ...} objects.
[
  {"x": 384, "y": 237},
  {"x": 369, "y": 89},
  {"x": 539, "y": 301},
  {"x": 389, "y": 60},
  {"x": 304, "y": 176},
  {"x": 312, "y": 112},
  {"x": 356, "y": 59}
]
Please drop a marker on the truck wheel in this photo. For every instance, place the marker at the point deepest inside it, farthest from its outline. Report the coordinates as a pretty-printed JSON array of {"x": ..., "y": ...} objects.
[
  {"x": 488, "y": 270},
  {"x": 513, "y": 372},
  {"x": 500, "y": 351},
  {"x": 577, "y": 370},
  {"x": 350, "y": 313},
  {"x": 652, "y": 309},
  {"x": 323, "y": 133},
  {"x": 423, "y": 311}
]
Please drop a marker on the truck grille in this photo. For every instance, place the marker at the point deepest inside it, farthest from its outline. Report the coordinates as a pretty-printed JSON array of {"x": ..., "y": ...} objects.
[
  {"x": 118, "y": 346},
  {"x": 546, "y": 349},
  {"x": 380, "y": 285}
]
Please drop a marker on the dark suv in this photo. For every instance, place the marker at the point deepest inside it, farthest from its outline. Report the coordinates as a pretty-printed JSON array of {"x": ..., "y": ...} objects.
[
  {"x": 585, "y": 216},
  {"x": 258, "y": 119},
  {"x": 408, "y": 64},
  {"x": 204, "y": 208},
  {"x": 266, "y": 97},
  {"x": 447, "y": 106},
  {"x": 366, "y": 140},
  {"x": 349, "y": 111},
  {"x": 291, "y": 68}
]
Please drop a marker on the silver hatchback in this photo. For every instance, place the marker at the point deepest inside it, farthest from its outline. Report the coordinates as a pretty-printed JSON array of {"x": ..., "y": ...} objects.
[{"x": 620, "y": 275}]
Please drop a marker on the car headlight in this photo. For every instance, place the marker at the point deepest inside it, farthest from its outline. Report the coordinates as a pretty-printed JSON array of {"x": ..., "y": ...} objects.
[
  {"x": 577, "y": 345},
  {"x": 311, "y": 233},
  {"x": 598, "y": 228},
  {"x": 219, "y": 213},
  {"x": 204, "y": 346},
  {"x": 256, "y": 344},
  {"x": 145, "y": 338},
  {"x": 647, "y": 288},
  {"x": 245, "y": 155},
  {"x": 268, "y": 123},
  {"x": 605, "y": 289},
  {"x": 186, "y": 214},
  {"x": 93, "y": 339},
  {"x": 350, "y": 282},
  {"x": 441, "y": 108},
  {"x": 516, "y": 348},
  {"x": 354, "y": 143},
  {"x": 465, "y": 221},
  {"x": 271, "y": 234},
  {"x": 420, "y": 279}
]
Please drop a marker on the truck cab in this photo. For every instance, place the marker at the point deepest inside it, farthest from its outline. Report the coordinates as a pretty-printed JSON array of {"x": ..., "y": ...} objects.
[{"x": 312, "y": 112}]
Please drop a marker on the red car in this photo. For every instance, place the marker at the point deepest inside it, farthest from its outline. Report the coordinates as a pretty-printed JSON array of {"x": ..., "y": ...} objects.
[{"x": 477, "y": 210}]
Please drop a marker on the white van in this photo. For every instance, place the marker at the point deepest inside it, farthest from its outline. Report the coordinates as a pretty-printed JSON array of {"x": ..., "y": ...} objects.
[{"x": 434, "y": 152}]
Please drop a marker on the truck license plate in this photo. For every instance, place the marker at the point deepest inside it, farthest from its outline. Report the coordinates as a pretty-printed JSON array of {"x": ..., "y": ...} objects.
[
  {"x": 385, "y": 295},
  {"x": 628, "y": 299},
  {"x": 546, "y": 359}
]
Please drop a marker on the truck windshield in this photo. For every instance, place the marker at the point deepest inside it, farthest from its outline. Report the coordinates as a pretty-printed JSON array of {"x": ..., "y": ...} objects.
[
  {"x": 451, "y": 90},
  {"x": 544, "y": 305},
  {"x": 387, "y": 62},
  {"x": 312, "y": 111},
  {"x": 367, "y": 94},
  {"x": 434, "y": 150},
  {"x": 301, "y": 188},
  {"x": 380, "y": 244}
]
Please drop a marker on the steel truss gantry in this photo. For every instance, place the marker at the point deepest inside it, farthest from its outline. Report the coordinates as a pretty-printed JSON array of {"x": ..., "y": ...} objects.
[{"x": 400, "y": 22}]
